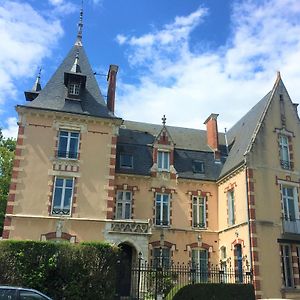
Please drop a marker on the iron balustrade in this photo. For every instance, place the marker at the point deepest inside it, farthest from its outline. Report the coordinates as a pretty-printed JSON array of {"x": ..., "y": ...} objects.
[
  {"x": 286, "y": 164},
  {"x": 152, "y": 282},
  {"x": 67, "y": 154}
]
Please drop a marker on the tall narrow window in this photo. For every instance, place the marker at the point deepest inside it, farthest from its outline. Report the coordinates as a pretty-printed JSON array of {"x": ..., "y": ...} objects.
[
  {"x": 289, "y": 203},
  {"x": 200, "y": 264},
  {"x": 161, "y": 257},
  {"x": 124, "y": 200},
  {"x": 238, "y": 263},
  {"x": 230, "y": 201},
  {"x": 163, "y": 161},
  {"x": 286, "y": 260},
  {"x": 68, "y": 144},
  {"x": 162, "y": 210},
  {"x": 199, "y": 212},
  {"x": 62, "y": 197},
  {"x": 284, "y": 152}
]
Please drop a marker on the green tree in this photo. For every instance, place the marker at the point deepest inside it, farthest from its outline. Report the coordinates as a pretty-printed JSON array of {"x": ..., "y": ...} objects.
[{"x": 7, "y": 152}]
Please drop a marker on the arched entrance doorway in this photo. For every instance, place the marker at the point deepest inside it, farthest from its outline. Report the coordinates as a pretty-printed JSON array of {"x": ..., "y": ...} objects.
[{"x": 128, "y": 257}]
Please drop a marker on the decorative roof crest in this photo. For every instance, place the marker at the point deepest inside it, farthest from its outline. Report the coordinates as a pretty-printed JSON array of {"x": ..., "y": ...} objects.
[
  {"x": 37, "y": 85},
  {"x": 80, "y": 25}
]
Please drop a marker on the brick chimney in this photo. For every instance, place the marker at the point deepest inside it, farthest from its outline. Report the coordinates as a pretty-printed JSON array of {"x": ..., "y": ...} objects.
[
  {"x": 212, "y": 134},
  {"x": 111, "y": 91}
]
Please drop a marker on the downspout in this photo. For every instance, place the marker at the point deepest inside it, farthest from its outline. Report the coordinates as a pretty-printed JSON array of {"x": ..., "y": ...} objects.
[{"x": 248, "y": 212}]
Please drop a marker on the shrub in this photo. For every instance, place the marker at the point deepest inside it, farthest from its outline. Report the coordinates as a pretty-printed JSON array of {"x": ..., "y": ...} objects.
[
  {"x": 214, "y": 291},
  {"x": 61, "y": 270}
]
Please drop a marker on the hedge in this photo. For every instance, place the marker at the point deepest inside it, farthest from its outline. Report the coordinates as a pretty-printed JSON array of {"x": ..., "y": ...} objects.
[
  {"x": 215, "y": 291},
  {"x": 60, "y": 270}
]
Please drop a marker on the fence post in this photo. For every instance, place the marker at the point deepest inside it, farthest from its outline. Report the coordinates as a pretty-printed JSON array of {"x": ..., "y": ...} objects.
[{"x": 139, "y": 275}]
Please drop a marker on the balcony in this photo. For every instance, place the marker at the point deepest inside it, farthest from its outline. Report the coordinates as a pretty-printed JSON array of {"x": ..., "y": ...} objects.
[
  {"x": 130, "y": 226},
  {"x": 291, "y": 226}
]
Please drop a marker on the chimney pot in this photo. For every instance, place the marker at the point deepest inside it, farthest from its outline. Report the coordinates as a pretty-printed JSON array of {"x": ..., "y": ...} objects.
[{"x": 111, "y": 92}]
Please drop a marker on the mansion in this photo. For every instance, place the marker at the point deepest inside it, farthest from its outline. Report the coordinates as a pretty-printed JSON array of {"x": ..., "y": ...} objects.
[{"x": 83, "y": 174}]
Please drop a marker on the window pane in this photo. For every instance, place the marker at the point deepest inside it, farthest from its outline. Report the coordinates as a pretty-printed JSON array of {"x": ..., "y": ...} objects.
[
  {"x": 160, "y": 160},
  {"x": 166, "y": 160},
  {"x": 73, "y": 148},
  {"x": 57, "y": 197},
  {"x": 158, "y": 213},
  {"x": 67, "y": 200},
  {"x": 119, "y": 196},
  {"x": 59, "y": 182},
  {"x": 127, "y": 210},
  {"x": 26, "y": 295},
  {"x": 62, "y": 149},
  {"x": 119, "y": 210},
  {"x": 126, "y": 160},
  {"x": 69, "y": 183},
  {"x": 128, "y": 196},
  {"x": 8, "y": 294},
  {"x": 165, "y": 213}
]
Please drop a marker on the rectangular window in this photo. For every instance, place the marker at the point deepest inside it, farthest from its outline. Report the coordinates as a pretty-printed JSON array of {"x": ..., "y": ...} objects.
[
  {"x": 126, "y": 161},
  {"x": 162, "y": 210},
  {"x": 123, "y": 207},
  {"x": 289, "y": 203},
  {"x": 284, "y": 152},
  {"x": 74, "y": 89},
  {"x": 62, "y": 197},
  {"x": 198, "y": 166},
  {"x": 200, "y": 265},
  {"x": 286, "y": 260},
  {"x": 68, "y": 144},
  {"x": 161, "y": 257},
  {"x": 199, "y": 212},
  {"x": 230, "y": 204},
  {"x": 163, "y": 161}
]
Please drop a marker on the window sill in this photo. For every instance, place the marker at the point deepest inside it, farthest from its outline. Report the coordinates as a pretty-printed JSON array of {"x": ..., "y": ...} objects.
[{"x": 162, "y": 226}]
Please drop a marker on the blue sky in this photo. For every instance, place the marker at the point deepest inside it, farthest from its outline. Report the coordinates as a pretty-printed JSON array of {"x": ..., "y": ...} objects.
[{"x": 184, "y": 59}]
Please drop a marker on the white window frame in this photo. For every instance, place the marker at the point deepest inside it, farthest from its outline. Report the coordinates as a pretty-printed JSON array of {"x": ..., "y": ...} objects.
[
  {"x": 284, "y": 151},
  {"x": 163, "y": 157},
  {"x": 231, "y": 207},
  {"x": 74, "y": 89},
  {"x": 200, "y": 265},
  {"x": 62, "y": 200},
  {"x": 200, "y": 202},
  {"x": 287, "y": 269},
  {"x": 123, "y": 201},
  {"x": 67, "y": 151},
  {"x": 286, "y": 202},
  {"x": 159, "y": 199}
]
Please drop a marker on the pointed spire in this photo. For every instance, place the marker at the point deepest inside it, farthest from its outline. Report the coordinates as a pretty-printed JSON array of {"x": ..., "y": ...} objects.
[
  {"x": 80, "y": 25},
  {"x": 76, "y": 68},
  {"x": 37, "y": 85}
]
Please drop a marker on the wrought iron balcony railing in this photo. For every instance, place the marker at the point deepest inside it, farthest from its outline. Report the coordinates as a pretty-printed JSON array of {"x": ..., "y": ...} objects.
[
  {"x": 286, "y": 164},
  {"x": 67, "y": 154},
  {"x": 291, "y": 225}
]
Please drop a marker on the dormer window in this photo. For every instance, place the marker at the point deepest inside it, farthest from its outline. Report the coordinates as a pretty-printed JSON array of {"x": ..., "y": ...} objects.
[
  {"x": 74, "y": 89},
  {"x": 126, "y": 161},
  {"x": 198, "y": 166},
  {"x": 163, "y": 160}
]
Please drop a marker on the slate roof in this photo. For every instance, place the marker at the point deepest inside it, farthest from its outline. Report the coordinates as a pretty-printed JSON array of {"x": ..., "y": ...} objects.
[
  {"x": 136, "y": 138},
  {"x": 240, "y": 135},
  {"x": 53, "y": 96}
]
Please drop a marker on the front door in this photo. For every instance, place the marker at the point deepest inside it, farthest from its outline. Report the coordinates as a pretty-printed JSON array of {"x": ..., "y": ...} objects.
[{"x": 124, "y": 271}]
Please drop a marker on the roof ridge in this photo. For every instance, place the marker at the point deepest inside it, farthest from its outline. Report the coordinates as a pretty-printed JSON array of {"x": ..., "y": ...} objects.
[{"x": 264, "y": 112}]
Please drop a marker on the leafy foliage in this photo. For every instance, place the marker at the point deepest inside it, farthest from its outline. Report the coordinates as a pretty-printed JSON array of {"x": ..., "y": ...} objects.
[
  {"x": 7, "y": 152},
  {"x": 216, "y": 291},
  {"x": 60, "y": 270}
]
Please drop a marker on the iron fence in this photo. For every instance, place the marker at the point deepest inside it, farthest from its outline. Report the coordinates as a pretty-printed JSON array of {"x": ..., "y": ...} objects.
[{"x": 152, "y": 282}]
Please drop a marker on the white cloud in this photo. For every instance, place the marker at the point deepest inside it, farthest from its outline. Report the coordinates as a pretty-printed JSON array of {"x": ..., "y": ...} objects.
[
  {"x": 11, "y": 131},
  {"x": 187, "y": 86},
  {"x": 64, "y": 7},
  {"x": 26, "y": 39}
]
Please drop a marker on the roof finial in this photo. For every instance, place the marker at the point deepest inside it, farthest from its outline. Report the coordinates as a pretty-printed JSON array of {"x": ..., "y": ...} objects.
[
  {"x": 164, "y": 119},
  {"x": 37, "y": 85},
  {"x": 278, "y": 74},
  {"x": 80, "y": 25}
]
